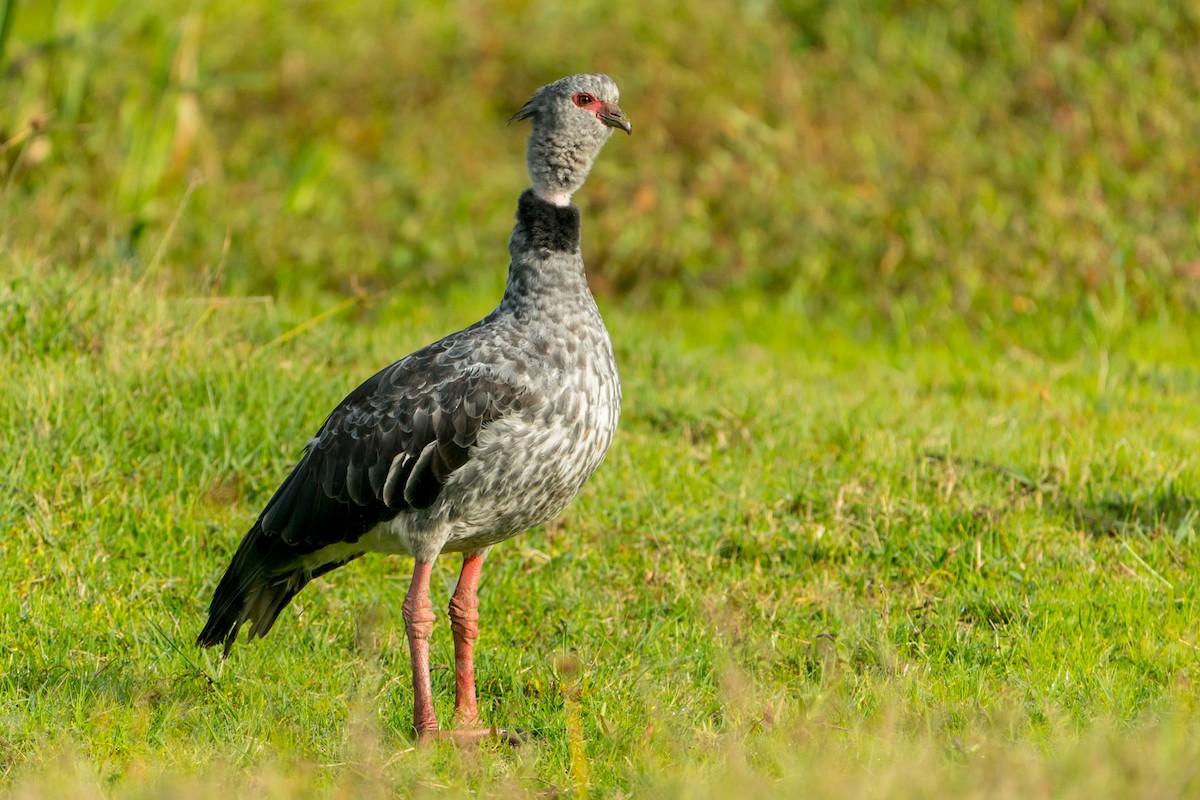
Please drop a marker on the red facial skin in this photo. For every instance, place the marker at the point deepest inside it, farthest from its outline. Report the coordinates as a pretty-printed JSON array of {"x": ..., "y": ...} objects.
[{"x": 605, "y": 112}]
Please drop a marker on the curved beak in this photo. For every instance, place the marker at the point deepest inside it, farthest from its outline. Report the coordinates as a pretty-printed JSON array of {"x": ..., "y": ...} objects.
[{"x": 612, "y": 116}]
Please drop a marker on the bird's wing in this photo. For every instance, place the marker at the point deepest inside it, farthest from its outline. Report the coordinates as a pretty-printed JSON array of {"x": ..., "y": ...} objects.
[{"x": 389, "y": 447}]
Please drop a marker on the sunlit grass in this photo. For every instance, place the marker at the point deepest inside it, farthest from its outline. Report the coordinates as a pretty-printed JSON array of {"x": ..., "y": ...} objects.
[
  {"x": 903, "y": 500},
  {"x": 808, "y": 554}
]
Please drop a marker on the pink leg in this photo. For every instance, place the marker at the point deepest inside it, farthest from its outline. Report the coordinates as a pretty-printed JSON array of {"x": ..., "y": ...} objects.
[
  {"x": 464, "y": 621},
  {"x": 418, "y": 623}
]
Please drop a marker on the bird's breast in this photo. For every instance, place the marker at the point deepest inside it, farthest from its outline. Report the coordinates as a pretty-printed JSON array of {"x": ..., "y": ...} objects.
[{"x": 528, "y": 465}]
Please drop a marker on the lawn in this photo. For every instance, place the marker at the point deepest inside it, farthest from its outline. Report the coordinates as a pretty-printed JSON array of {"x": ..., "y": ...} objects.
[{"x": 903, "y": 502}]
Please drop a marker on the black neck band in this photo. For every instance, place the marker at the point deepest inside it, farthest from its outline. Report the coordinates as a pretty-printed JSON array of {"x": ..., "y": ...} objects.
[{"x": 548, "y": 226}]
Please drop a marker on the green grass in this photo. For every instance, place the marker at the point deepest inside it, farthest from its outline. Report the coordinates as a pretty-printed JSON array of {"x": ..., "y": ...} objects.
[
  {"x": 903, "y": 503},
  {"x": 806, "y": 544}
]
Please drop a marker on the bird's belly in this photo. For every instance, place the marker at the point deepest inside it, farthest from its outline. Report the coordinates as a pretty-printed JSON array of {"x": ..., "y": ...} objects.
[{"x": 522, "y": 489}]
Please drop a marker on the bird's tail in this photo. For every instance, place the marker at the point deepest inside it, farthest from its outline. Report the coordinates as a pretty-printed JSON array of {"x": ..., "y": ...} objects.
[{"x": 261, "y": 580}]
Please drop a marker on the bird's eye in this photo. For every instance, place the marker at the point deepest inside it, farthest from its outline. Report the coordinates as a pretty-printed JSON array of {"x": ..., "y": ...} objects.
[{"x": 582, "y": 99}]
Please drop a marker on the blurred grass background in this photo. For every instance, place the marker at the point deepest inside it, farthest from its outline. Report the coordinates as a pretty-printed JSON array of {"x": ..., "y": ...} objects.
[{"x": 987, "y": 160}]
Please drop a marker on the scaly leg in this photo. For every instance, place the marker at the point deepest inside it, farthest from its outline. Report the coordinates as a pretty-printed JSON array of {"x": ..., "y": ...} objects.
[
  {"x": 418, "y": 624},
  {"x": 464, "y": 621}
]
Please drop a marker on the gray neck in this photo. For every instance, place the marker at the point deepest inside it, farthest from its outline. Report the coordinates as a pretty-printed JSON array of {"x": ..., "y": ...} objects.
[
  {"x": 558, "y": 165},
  {"x": 545, "y": 251}
]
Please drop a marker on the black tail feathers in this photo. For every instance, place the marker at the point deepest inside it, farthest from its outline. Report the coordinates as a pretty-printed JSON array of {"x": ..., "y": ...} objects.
[
  {"x": 261, "y": 580},
  {"x": 263, "y": 577}
]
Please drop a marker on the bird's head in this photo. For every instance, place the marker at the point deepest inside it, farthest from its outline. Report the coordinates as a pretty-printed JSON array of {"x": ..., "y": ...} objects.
[
  {"x": 583, "y": 104},
  {"x": 572, "y": 119}
]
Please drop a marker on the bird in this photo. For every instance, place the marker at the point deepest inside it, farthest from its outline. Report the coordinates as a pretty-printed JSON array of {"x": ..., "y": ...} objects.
[{"x": 464, "y": 443}]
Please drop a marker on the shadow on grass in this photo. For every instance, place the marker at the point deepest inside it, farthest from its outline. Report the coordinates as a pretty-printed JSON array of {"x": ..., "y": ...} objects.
[
  {"x": 1158, "y": 511},
  {"x": 61, "y": 680},
  {"x": 1162, "y": 512}
]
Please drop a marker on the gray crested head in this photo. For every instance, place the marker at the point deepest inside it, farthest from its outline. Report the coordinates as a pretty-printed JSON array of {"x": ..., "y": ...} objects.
[{"x": 572, "y": 119}]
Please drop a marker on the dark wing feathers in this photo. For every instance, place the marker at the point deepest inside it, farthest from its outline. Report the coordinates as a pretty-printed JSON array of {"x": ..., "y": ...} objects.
[
  {"x": 387, "y": 449},
  {"x": 422, "y": 486},
  {"x": 358, "y": 485},
  {"x": 393, "y": 490}
]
